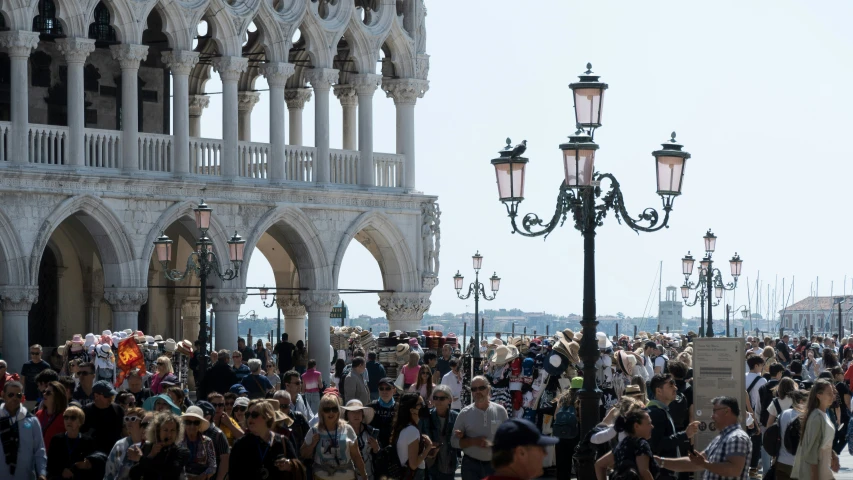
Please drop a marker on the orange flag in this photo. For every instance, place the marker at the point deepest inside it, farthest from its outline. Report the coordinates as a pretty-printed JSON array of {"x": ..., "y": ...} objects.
[{"x": 129, "y": 357}]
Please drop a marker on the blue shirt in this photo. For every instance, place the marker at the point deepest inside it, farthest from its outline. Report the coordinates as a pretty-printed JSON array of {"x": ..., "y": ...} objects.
[
  {"x": 241, "y": 372},
  {"x": 257, "y": 385}
]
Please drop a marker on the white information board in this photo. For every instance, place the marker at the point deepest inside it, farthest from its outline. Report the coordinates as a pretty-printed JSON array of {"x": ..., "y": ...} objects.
[{"x": 718, "y": 370}]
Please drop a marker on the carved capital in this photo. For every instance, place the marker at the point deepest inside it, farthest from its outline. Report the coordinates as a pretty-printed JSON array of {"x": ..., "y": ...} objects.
[
  {"x": 246, "y": 101},
  {"x": 277, "y": 73},
  {"x": 321, "y": 78},
  {"x": 404, "y": 306},
  {"x": 129, "y": 56},
  {"x": 19, "y": 43},
  {"x": 181, "y": 62},
  {"x": 405, "y": 91},
  {"x": 346, "y": 94},
  {"x": 227, "y": 300},
  {"x": 319, "y": 300},
  {"x": 75, "y": 49},
  {"x": 18, "y": 299},
  {"x": 197, "y": 104},
  {"x": 290, "y": 306},
  {"x": 230, "y": 68},
  {"x": 296, "y": 97},
  {"x": 126, "y": 299},
  {"x": 365, "y": 83},
  {"x": 191, "y": 308}
]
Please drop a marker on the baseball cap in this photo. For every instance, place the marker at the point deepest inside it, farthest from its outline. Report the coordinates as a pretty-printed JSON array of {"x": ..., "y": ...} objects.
[
  {"x": 104, "y": 388},
  {"x": 518, "y": 432},
  {"x": 238, "y": 389},
  {"x": 206, "y": 407},
  {"x": 387, "y": 381}
]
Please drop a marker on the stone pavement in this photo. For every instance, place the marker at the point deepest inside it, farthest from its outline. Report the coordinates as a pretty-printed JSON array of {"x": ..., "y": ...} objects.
[{"x": 846, "y": 472}]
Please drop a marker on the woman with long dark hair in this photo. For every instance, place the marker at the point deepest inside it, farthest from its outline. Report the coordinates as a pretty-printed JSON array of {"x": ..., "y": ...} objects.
[
  {"x": 413, "y": 448},
  {"x": 338, "y": 377},
  {"x": 634, "y": 451},
  {"x": 50, "y": 414},
  {"x": 261, "y": 453},
  {"x": 827, "y": 361},
  {"x": 423, "y": 386},
  {"x": 815, "y": 459}
]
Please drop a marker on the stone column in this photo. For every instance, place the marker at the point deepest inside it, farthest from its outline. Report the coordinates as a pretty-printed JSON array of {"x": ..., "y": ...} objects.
[
  {"x": 229, "y": 69},
  {"x": 190, "y": 316},
  {"x": 294, "y": 317},
  {"x": 277, "y": 75},
  {"x": 93, "y": 312},
  {"x": 365, "y": 85},
  {"x": 181, "y": 63},
  {"x": 16, "y": 303},
  {"x": 405, "y": 92},
  {"x": 126, "y": 303},
  {"x": 349, "y": 101},
  {"x": 76, "y": 50},
  {"x": 245, "y": 104},
  {"x": 321, "y": 80},
  {"x": 295, "y": 99},
  {"x": 129, "y": 57},
  {"x": 319, "y": 305},
  {"x": 226, "y": 306},
  {"x": 404, "y": 310},
  {"x": 19, "y": 45},
  {"x": 197, "y": 105}
]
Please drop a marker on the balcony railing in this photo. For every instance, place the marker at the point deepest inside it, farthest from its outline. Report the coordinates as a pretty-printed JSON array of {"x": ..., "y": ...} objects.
[{"x": 49, "y": 145}]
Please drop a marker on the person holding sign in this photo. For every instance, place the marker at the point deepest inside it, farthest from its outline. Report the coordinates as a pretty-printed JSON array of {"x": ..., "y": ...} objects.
[{"x": 726, "y": 455}]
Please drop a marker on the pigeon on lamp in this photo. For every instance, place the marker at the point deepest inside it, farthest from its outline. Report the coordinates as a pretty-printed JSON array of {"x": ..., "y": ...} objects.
[{"x": 519, "y": 149}]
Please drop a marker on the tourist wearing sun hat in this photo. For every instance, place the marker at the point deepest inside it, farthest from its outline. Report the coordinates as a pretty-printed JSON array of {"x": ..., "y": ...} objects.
[
  {"x": 202, "y": 460},
  {"x": 359, "y": 418}
]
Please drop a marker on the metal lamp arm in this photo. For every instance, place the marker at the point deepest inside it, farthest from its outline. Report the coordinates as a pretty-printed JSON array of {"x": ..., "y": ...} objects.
[
  {"x": 483, "y": 293},
  {"x": 273, "y": 302},
  {"x": 531, "y": 220},
  {"x": 694, "y": 302},
  {"x": 212, "y": 265},
  {"x": 470, "y": 291},
  {"x": 613, "y": 200},
  {"x": 177, "y": 275}
]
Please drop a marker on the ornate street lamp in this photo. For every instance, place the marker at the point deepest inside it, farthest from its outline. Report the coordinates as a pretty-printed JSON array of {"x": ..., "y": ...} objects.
[
  {"x": 478, "y": 290},
  {"x": 581, "y": 198},
  {"x": 710, "y": 278},
  {"x": 202, "y": 262}
]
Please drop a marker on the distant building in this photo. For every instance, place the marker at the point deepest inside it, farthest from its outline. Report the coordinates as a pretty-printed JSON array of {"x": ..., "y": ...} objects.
[
  {"x": 820, "y": 312},
  {"x": 669, "y": 312}
]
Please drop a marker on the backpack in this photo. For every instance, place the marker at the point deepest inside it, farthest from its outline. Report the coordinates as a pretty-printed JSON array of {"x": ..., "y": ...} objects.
[
  {"x": 772, "y": 436},
  {"x": 565, "y": 423},
  {"x": 679, "y": 410},
  {"x": 587, "y": 449},
  {"x": 665, "y": 368},
  {"x": 792, "y": 436},
  {"x": 765, "y": 396}
]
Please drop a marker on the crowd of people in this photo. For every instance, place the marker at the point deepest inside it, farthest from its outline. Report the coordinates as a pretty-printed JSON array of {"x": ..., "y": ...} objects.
[{"x": 266, "y": 412}]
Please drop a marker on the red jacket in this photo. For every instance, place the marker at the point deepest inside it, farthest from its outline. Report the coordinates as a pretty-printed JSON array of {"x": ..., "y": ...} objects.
[{"x": 50, "y": 426}]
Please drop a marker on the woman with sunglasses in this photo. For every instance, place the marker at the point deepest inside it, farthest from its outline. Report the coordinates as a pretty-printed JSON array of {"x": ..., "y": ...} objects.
[
  {"x": 238, "y": 411},
  {"x": 53, "y": 405},
  {"x": 438, "y": 426},
  {"x": 68, "y": 455},
  {"x": 333, "y": 444},
  {"x": 262, "y": 453},
  {"x": 359, "y": 418},
  {"x": 413, "y": 448},
  {"x": 164, "y": 367},
  {"x": 118, "y": 462},
  {"x": 424, "y": 385},
  {"x": 159, "y": 456},
  {"x": 202, "y": 463}
]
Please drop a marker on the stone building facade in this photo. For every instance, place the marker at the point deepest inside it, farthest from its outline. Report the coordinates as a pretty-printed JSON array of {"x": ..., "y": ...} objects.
[{"x": 95, "y": 165}]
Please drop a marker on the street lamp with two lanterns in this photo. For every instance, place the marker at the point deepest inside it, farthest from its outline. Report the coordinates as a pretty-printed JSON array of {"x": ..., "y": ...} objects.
[
  {"x": 201, "y": 263},
  {"x": 478, "y": 290}
]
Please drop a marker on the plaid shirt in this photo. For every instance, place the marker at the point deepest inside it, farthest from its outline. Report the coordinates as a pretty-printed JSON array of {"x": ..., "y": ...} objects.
[{"x": 731, "y": 442}]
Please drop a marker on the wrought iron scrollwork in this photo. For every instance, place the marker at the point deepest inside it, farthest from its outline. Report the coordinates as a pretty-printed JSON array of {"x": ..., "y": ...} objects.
[{"x": 587, "y": 212}]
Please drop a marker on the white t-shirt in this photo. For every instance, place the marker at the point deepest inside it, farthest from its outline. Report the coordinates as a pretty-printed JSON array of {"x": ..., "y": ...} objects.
[
  {"x": 407, "y": 436},
  {"x": 274, "y": 379},
  {"x": 785, "y": 404},
  {"x": 331, "y": 456},
  {"x": 754, "y": 399},
  {"x": 455, "y": 385},
  {"x": 660, "y": 361},
  {"x": 788, "y": 416}
]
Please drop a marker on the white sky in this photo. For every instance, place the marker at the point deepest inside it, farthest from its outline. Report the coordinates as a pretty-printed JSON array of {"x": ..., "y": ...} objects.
[{"x": 756, "y": 90}]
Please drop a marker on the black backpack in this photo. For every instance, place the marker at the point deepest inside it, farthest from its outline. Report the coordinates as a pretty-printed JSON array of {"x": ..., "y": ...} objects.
[
  {"x": 679, "y": 410},
  {"x": 792, "y": 436},
  {"x": 772, "y": 440},
  {"x": 765, "y": 397}
]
